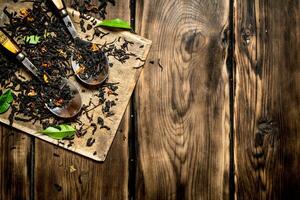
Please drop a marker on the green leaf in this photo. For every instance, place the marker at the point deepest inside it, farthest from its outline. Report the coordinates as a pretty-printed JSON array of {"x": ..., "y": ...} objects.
[
  {"x": 32, "y": 39},
  {"x": 5, "y": 101},
  {"x": 115, "y": 23},
  {"x": 60, "y": 132}
]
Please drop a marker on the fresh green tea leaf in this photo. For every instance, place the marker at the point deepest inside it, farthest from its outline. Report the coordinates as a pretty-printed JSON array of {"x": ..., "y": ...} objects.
[
  {"x": 5, "y": 101},
  {"x": 115, "y": 23},
  {"x": 32, "y": 39},
  {"x": 60, "y": 132}
]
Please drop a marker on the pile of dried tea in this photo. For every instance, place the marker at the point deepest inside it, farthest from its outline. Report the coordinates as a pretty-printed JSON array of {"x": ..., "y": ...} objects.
[
  {"x": 48, "y": 44},
  {"x": 90, "y": 58},
  {"x": 8, "y": 69},
  {"x": 57, "y": 93}
]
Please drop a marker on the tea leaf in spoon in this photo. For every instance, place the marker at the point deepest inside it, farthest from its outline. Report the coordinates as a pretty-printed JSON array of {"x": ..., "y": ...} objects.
[
  {"x": 115, "y": 23},
  {"x": 60, "y": 132},
  {"x": 5, "y": 101}
]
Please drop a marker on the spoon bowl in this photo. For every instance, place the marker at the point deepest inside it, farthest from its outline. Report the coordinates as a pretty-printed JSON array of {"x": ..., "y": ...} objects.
[
  {"x": 102, "y": 74},
  {"x": 69, "y": 110},
  {"x": 92, "y": 80},
  {"x": 73, "y": 107}
]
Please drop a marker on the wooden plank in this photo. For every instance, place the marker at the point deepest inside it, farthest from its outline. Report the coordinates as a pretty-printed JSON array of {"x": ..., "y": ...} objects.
[
  {"x": 267, "y": 153},
  {"x": 183, "y": 110},
  {"x": 92, "y": 180},
  {"x": 15, "y": 164}
]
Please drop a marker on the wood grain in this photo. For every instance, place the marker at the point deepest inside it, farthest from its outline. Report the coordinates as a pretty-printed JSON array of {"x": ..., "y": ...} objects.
[
  {"x": 91, "y": 180},
  {"x": 15, "y": 164},
  {"x": 267, "y": 145},
  {"x": 183, "y": 110}
]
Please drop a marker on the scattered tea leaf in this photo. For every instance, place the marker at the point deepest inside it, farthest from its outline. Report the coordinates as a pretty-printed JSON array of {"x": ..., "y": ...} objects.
[
  {"x": 72, "y": 169},
  {"x": 48, "y": 34},
  {"x": 46, "y": 78},
  {"x": 115, "y": 23},
  {"x": 5, "y": 101},
  {"x": 24, "y": 12},
  {"x": 60, "y": 132},
  {"x": 32, "y": 39},
  {"x": 90, "y": 142}
]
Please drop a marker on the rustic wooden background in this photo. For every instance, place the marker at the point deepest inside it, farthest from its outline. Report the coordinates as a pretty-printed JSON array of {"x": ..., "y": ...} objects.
[{"x": 220, "y": 121}]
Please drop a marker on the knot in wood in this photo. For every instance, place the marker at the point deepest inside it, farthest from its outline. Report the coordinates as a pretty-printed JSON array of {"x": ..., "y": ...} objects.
[
  {"x": 246, "y": 34},
  {"x": 193, "y": 40},
  {"x": 266, "y": 127}
]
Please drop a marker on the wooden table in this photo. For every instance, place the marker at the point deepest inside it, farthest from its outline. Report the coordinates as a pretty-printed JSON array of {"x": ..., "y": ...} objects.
[{"x": 220, "y": 121}]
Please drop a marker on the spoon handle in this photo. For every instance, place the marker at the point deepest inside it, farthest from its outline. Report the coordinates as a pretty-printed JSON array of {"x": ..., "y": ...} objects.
[
  {"x": 12, "y": 47},
  {"x": 60, "y": 6},
  {"x": 9, "y": 44}
]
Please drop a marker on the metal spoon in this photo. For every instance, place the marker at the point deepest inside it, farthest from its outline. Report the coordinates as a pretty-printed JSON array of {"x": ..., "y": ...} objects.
[
  {"x": 60, "y": 6},
  {"x": 74, "y": 105}
]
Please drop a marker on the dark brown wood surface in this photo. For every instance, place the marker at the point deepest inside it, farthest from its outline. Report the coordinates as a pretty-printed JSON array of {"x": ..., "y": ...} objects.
[
  {"x": 182, "y": 109},
  {"x": 220, "y": 121},
  {"x": 267, "y": 137},
  {"x": 15, "y": 164}
]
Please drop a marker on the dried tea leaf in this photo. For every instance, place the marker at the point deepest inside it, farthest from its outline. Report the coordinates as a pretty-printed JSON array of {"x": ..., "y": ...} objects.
[
  {"x": 115, "y": 23},
  {"x": 46, "y": 78},
  {"x": 60, "y": 132},
  {"x": 5, "y": 101},
  {"x": 32, "y": 39},
  {"x": 72, "y": 169}
]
